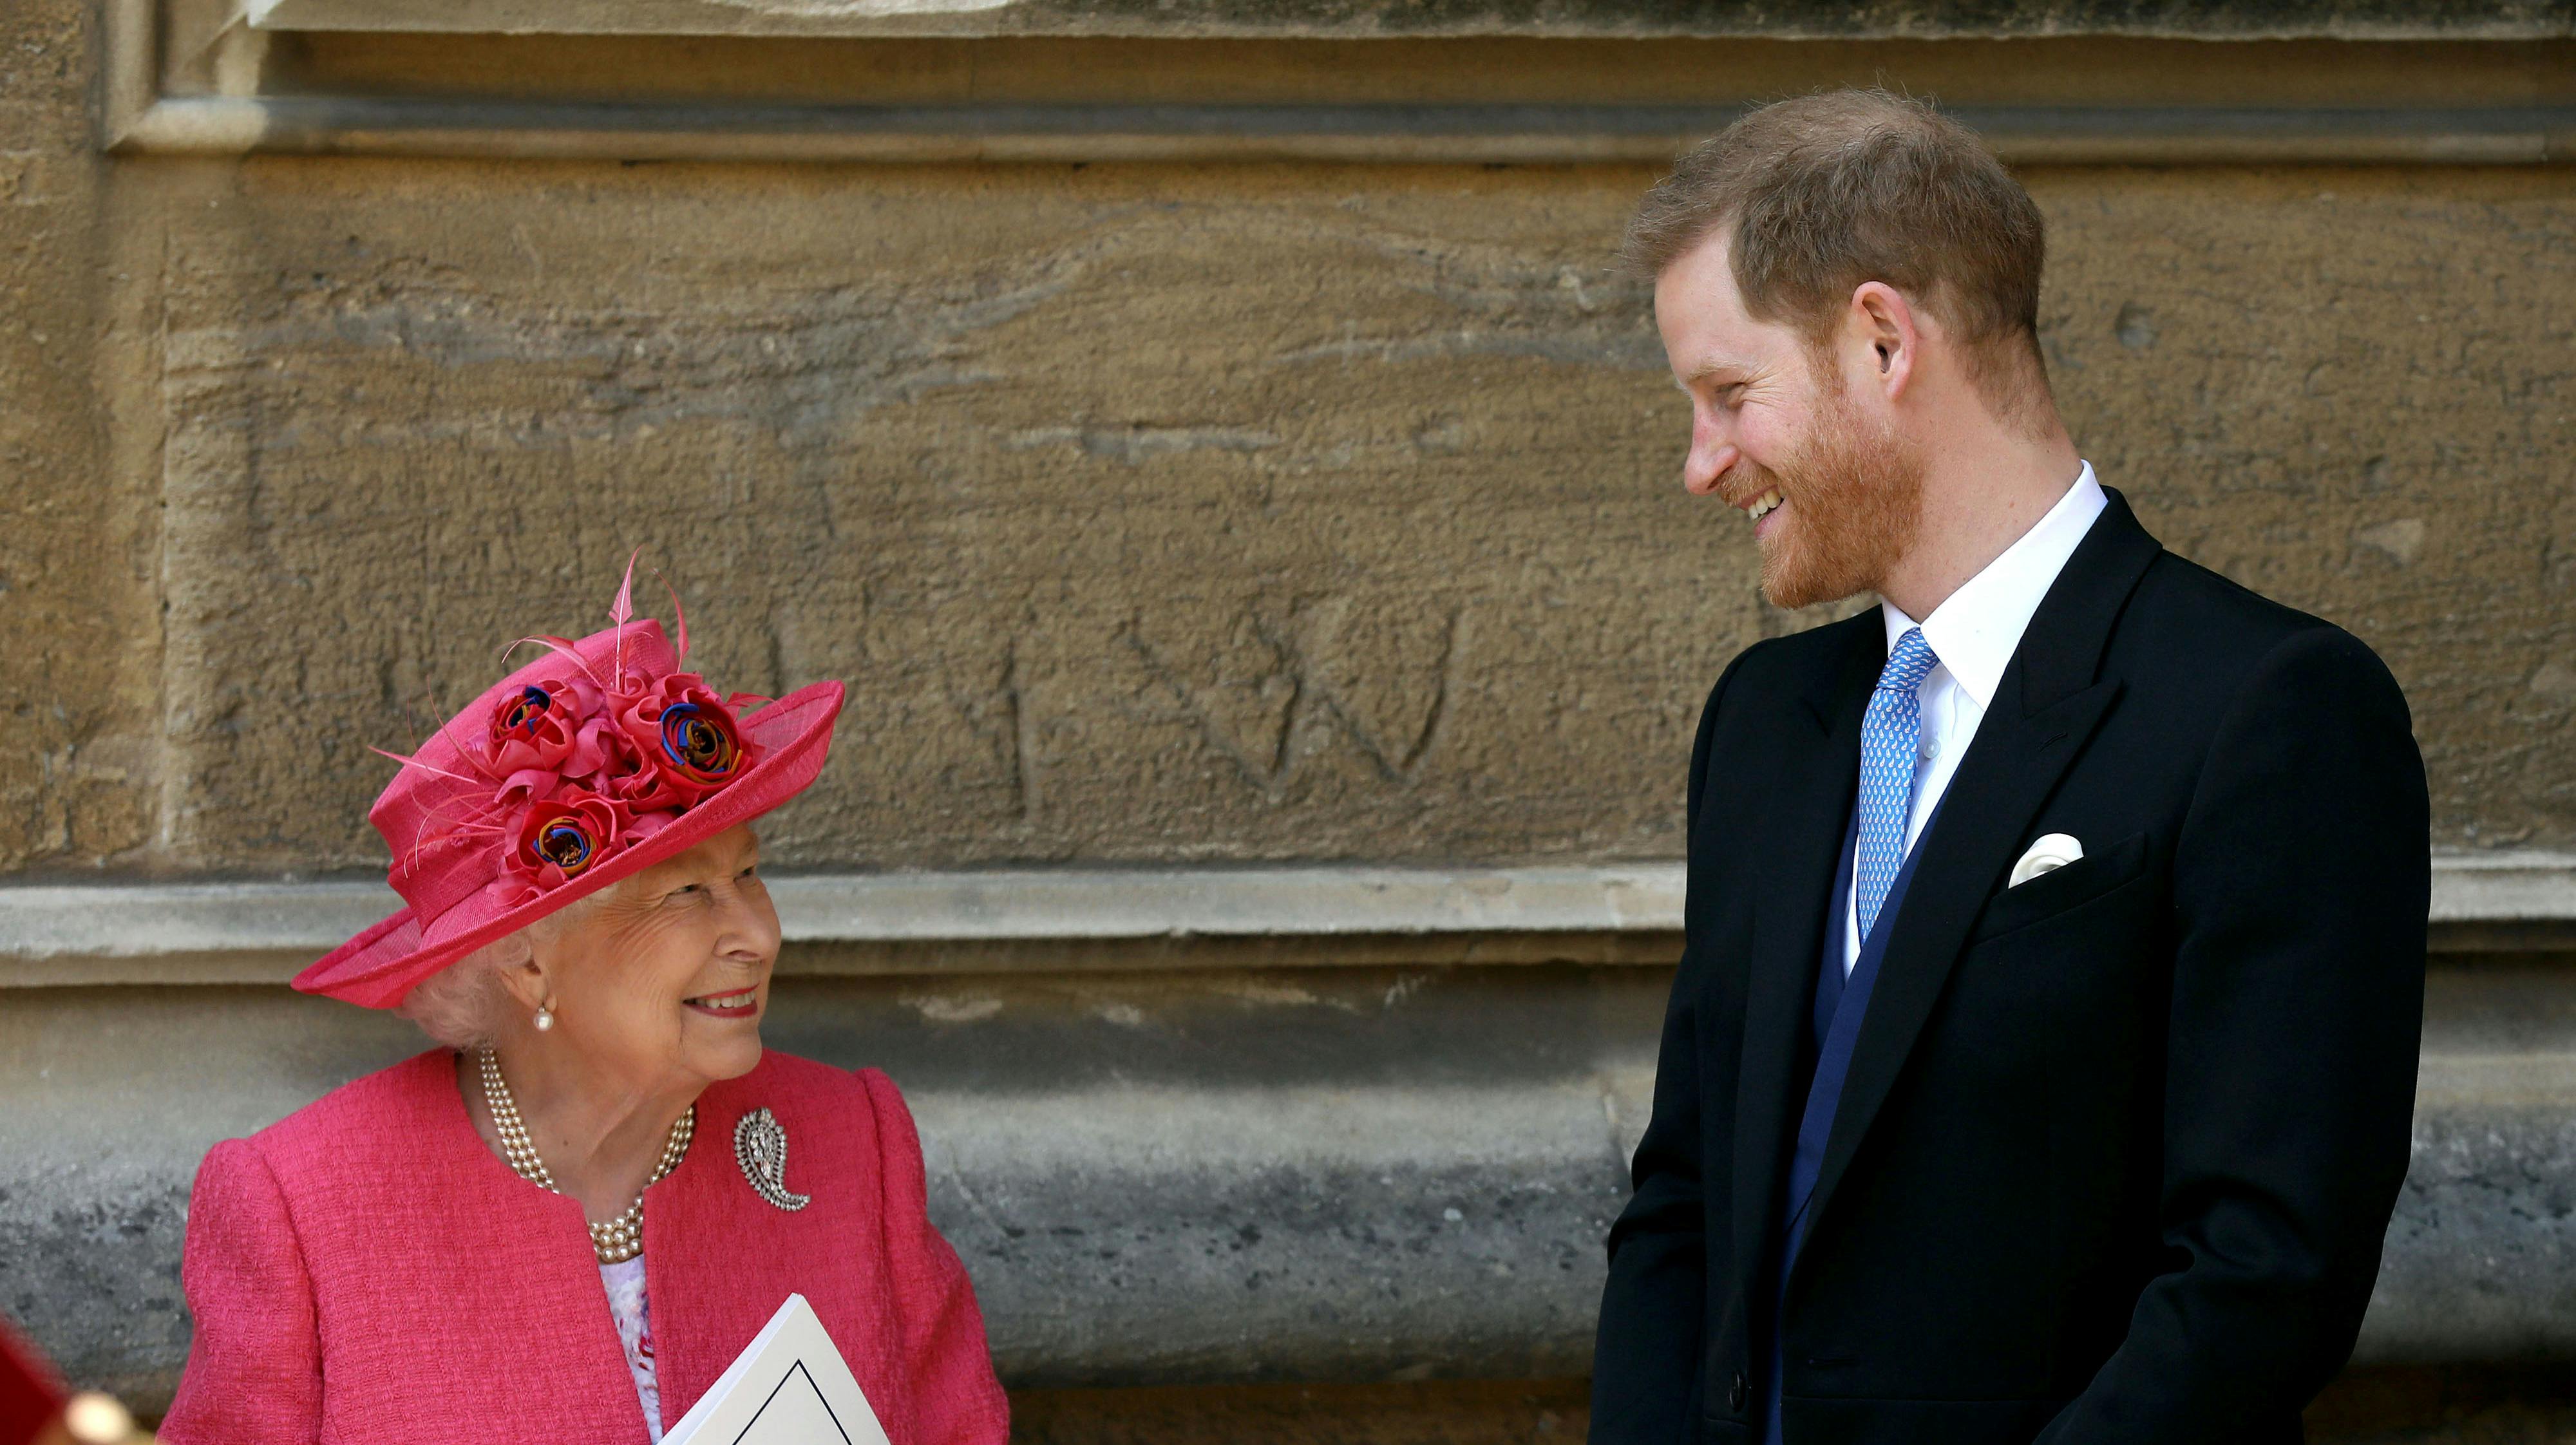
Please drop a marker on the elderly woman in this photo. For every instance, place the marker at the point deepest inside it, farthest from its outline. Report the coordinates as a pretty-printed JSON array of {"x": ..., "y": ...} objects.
[{"x": 564, "y": 1224}]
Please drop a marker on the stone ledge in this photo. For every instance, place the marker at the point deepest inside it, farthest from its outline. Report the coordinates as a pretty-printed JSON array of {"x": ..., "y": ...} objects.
[
  {"x": 1541, "y": 134},
  {"x": 1801, "y": 19},
  {"x": 1014, "y": 920},
  {"x": 1129, "y": 1237}
]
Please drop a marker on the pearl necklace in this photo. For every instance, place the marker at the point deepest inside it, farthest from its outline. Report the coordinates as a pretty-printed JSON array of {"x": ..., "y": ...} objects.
[{"x": 617, "y": 1240}]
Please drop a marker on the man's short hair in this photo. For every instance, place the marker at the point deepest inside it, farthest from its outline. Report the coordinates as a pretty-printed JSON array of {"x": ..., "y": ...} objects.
[{"x": 1826, "y": 192}]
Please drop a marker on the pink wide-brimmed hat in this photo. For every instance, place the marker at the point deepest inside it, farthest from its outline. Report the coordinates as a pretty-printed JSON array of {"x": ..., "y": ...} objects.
[{"x": 597, "y": 760}]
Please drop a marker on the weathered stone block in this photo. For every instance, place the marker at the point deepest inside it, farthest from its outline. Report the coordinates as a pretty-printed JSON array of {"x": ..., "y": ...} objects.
[{"x": 1234, "y": 514}]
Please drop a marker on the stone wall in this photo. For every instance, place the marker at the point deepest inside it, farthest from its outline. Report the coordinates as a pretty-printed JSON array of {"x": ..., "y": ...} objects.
[
  {"x": 1152, "y": 513},
  {"x": 1164, "y": 517}
]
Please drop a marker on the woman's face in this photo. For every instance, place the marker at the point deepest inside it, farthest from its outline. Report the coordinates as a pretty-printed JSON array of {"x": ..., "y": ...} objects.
[{"x": 666, "y": 979}]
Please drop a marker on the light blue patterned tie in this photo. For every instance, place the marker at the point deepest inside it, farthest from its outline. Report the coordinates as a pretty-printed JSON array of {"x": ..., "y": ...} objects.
[{"x": 1891, "y": 734}]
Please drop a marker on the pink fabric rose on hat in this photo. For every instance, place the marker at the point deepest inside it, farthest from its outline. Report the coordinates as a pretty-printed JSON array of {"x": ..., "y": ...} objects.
[
  {"x": 687, "y": 740},
  {"x": 535, "y": 728},
  {"x": 562, "y": 837},
  {"x": 545, "y": 733}
]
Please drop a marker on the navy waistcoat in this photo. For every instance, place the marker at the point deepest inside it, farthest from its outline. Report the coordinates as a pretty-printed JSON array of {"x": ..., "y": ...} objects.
[{"x": 1835, "y": 1018}]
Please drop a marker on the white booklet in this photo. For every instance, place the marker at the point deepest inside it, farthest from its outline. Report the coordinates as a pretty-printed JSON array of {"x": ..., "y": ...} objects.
[{"x": 789, "y": 1386}]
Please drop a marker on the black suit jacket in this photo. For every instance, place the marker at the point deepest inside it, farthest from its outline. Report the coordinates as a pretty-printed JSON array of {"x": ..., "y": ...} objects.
[{"x": 2117, "y": 1147}]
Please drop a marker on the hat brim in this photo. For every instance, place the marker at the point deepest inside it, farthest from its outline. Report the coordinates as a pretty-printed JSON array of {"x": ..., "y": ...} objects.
[{"x": 381, "y": 966}]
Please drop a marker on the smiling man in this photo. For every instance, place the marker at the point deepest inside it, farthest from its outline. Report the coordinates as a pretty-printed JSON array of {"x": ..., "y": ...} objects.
[{"x": 2042, "y": 1056}]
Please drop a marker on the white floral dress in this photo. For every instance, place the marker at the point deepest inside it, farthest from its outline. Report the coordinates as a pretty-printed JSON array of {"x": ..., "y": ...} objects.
[{"x": 634, "y": 1316}]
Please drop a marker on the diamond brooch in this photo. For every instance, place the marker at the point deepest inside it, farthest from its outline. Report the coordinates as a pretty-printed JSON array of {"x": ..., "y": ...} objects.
[{"x": 760, "y": 1147}]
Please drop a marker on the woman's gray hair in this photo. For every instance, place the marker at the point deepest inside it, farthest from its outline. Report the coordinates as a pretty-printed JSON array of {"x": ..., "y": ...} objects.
[{"x": 463, "y": 1004}]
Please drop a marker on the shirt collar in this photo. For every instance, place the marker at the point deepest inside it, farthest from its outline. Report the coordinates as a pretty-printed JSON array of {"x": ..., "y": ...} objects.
[{"x": 1976, "y": 630}]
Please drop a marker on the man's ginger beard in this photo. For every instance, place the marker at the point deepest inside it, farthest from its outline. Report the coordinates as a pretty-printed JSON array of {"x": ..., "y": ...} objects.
[{"x": 1855, "y": 501}]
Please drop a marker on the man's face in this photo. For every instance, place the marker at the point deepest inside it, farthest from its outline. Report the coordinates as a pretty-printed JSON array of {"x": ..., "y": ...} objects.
[{"x": 1833, "y": 491}]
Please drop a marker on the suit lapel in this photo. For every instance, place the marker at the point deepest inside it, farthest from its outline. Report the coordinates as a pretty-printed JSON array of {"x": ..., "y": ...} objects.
[
  {"x": 1816, "y": 770},
  {"x": 2045, "y": 710}
]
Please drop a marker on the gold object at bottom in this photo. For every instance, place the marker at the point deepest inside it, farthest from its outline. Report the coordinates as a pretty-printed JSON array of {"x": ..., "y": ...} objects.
[{"x": 93, "y": 1419}]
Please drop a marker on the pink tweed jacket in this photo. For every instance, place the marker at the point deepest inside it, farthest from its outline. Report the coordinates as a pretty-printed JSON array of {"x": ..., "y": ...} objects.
[{"x": 366, "y": 1270}]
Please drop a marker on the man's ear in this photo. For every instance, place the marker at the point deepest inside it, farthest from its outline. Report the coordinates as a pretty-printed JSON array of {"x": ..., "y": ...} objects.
[{"x": 1882, "y": 322}]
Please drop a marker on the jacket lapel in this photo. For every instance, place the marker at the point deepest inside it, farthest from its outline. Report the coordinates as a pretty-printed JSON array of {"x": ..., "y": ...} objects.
[
  {"x": 1816, "y": 770},
  {"x": 723, "y": 1259},
  {"x": 518, "y": 1339},
  {"x": 717, "y": 1265},
  {"x": 2045, "y": 710}
]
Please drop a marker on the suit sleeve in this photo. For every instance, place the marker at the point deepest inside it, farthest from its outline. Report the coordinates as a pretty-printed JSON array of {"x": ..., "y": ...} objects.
[
  {"x": 956, "y": 1400},
  {"x": 2302, "y": 877},
  {"x": 254, "y": 1374},
  {"x": 1646, "y": 1353}
]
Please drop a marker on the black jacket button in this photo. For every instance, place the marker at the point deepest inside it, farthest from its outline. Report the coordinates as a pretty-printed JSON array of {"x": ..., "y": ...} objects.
[{"x": 1735, "y": 1394}]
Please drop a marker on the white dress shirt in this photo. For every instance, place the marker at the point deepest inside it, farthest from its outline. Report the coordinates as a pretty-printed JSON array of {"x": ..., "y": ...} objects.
[{"x": 1975, "y": 633}]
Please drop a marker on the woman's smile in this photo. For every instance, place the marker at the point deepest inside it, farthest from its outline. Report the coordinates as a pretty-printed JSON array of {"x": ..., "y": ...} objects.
[{"x": 739, "y": 1003}]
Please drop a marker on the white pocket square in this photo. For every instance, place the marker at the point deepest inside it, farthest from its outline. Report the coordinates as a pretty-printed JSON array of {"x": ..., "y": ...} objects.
[{"x": 2053, "y": 851}]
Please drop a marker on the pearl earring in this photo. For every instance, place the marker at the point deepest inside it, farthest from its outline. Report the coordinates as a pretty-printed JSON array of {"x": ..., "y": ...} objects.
[{"x": 545, "y": 1018}]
